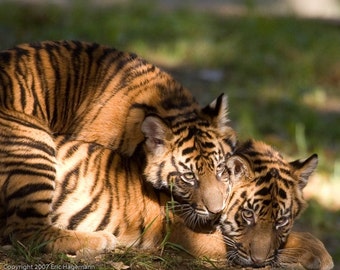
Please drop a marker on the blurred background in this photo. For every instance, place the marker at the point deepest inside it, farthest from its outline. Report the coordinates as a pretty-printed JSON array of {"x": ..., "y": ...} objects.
[{"x": 278, "y": 62}]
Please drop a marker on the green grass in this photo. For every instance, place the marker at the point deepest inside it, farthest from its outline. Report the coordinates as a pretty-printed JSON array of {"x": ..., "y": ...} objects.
[
  {"x": 170, "y": 259},
  {"x": 281, "y": 74}
]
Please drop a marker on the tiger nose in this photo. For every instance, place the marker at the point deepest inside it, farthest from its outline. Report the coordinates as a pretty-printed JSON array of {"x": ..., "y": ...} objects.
[
  {"x": 215, "y": 202},
  {"x": 258, "y": 260},
  {"x": 216, "y": 209}
]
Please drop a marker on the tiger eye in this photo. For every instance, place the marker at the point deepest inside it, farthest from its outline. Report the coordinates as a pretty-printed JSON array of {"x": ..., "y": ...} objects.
[
  {"x": 248, "y": 216},
  {"x": 189, "y": 177},
  {"x": 221, "y": 169}
]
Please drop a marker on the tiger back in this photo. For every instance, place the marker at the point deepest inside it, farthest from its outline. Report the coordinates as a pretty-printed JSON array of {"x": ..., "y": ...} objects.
[
  {"x": 79, "y": 89},
  {"x": 91, "y": 93}
]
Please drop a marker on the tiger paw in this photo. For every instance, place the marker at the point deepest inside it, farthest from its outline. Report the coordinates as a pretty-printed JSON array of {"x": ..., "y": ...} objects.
[
  {"x": 74, "y": 242},
  {"x": 107, "y": 242},
  {"x": 306, "y": 250},
  {"x": 100, "y": 241}
]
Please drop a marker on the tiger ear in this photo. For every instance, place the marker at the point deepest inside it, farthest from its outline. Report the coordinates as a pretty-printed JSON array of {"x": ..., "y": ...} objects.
[
  {"x": 156, "y": 133},
  {"x": 304, "y": 168},
  {"x": 239, "y": 169},
  {"x": 217, "y": 112}
]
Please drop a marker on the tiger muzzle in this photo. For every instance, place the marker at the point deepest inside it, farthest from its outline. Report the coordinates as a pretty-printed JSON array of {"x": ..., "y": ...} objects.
[
  {"x": 214, "y": 198},
  {"x": 261, "y": 246}
]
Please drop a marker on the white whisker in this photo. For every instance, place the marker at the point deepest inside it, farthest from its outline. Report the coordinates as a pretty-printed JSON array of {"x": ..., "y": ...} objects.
[
  {"x": 186, "y": 211},
  {"x": 232, "y": 256}
]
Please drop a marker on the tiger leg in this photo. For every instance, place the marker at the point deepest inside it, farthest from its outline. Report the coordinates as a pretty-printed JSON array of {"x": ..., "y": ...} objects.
[
  {"x": 27, "y": 182},
  {"x": 306, "y": 250},
  {"x": 209, "y": 245}
]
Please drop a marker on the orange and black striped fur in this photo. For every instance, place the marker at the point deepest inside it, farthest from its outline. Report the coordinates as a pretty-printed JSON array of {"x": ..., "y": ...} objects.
[
  {"x": 255, "y": 223},
  {"x": 91, "y": 93},
  {"x": 265, "y": 200},
  {"x": 98, "y": 189}
]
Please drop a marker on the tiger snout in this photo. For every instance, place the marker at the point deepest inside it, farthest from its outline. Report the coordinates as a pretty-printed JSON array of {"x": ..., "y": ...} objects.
[
  {"x": 214, "y": 198},
  {"x": 208, "y": 203},
  {"x": 215, "y": 204},
  {"x": 260, "y": 253},
  {"x": 260, "y": 248}
]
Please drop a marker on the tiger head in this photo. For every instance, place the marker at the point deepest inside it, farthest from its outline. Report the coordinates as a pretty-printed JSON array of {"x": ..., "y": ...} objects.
[
  {"x": 186, "y": 156},
  {"x": 265, "y": 199}
]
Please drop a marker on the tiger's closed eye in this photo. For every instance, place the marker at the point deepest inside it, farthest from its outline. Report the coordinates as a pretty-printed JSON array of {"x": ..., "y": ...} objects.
[
  {"x": 222, "y": 172},
  {"x": 281, "y": 222}
]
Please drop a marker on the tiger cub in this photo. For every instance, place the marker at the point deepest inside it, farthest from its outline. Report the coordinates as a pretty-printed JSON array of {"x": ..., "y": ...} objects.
[
  {"x": 265, "y": 200},
  {"x": 98, "y": 189},
  {"x": 92, "y": 93}
]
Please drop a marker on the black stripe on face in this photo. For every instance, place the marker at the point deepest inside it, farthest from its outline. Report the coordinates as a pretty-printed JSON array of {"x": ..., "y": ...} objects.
[
  {"x": 282, "y": 193},
  {"x": 263, "y": 191},
  {"x": 287, "y": 183},
  {"x": 266, "y": 202},
  {"x": 243, "y": 194},
  {"x": 264, "y": 179},
  {"x": 229, "y": 142},
  {"x": 188, "y": 150},
  {"x": 208, "y": 145},
  {"x": 259, "y": 169},
  {"x": 184, "y": 166}
]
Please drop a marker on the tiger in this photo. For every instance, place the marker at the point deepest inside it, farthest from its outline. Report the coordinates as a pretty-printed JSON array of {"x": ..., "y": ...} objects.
[
  {"x": 95, "y": 94},
  {"x": 91, "y": 179},
  {"x": 266, "y": 198}
]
